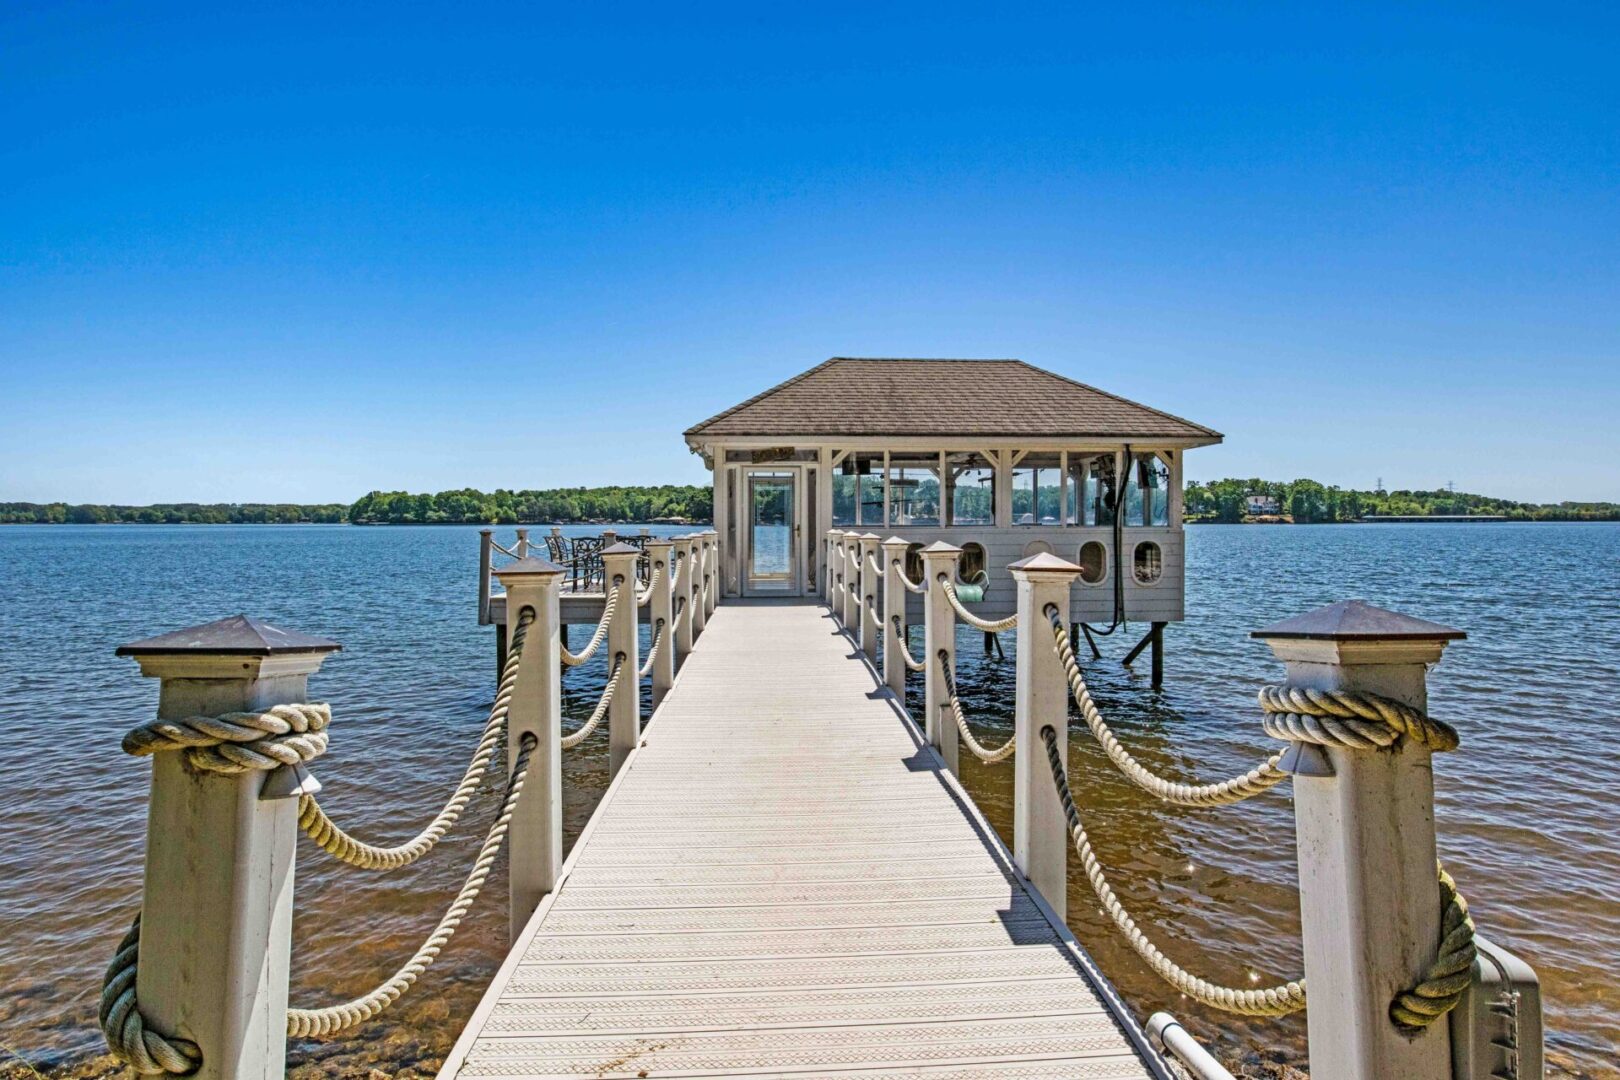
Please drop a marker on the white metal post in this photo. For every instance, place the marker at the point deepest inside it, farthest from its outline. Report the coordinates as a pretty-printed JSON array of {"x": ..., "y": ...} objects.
[
  {"x": 867, "y": 600},
  {"x": 683, "y": 594},
  {"x": 661, "y": 614},
  {"x": 624, "y": 714},
  {"x": 1040, "y": 828},
  {"x": 1369, "y": 903},
  {"x": 894, "y": 608},
  {"x": 216, "y": 922},
  {"x": 939, "y": 635},
  {"x": 522, "y": 548},
  {"x": 535, "y": 841}
]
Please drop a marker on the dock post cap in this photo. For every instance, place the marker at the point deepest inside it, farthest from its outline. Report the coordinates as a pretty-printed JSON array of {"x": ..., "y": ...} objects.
[
  {"x": 1356, "y": 632},
  {"x": 1043, "y": 563},
  {"x": 660, "y": 541},
  {"x": 896, "y": 541},
  {"x": 621, "y": 548},
  {"x": 1357, "y": 620},
  {"x": 238, "y": 635},
  {"x": 528, "y": 566},
  {"x": 486, "y": 532},
  {"x": 940, "y": 547},
  {"x": 874, "y": 537}
]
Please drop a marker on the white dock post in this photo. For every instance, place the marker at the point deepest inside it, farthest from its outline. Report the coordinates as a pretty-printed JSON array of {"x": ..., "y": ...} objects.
[
  {"x": 535, "y": 842},
  {"x": 486, "y": 539},
  {"x": 661, "y": 612},
  {"x": 835, "y": 572},
  {"x": 852, "y": 583},
  {"x": 939, "y": 635},
  {"x": 1041, "y": 838},
  {"x": 718, "y": 574},
  {"x": 624, "y": 714},
  {"x": 1368, "y": 900},
  {"x": 893, "y": 561},
  {"x": 216, "y": 922},
  {"x": 867, "y": 600},
  {"x": 683, "y": 594},
  {"x": 522, "y": 548},
  {"x": 703, "y": 564}
]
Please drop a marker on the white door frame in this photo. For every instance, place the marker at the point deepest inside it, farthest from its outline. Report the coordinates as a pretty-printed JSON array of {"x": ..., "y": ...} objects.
[{"x": 794, "y": 585}]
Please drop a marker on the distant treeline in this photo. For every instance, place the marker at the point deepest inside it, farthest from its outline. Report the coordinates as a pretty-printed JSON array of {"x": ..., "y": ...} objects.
[
  {"x": 21, "y": 513},
  {"x": 504, "y": 507},
  {"x": 1307, "y": 501}
]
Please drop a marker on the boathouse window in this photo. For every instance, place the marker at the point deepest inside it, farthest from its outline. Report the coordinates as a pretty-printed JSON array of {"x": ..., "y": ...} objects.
[
  {"x": 857, "y": 490},
  {"x": 970, "y": 564},
  {"x": 1090, "y": 490},
  {"x": 913, "y": 489},
  {"x": 1093, "y": 560},
  {"x": 1037, "y": 547},
  {"x": 1148, "y": 563},
  {"x": 1036, "y": 483},
  {"x": 1147, "y": 490},
  {"x": 970, "y": 489},
  {"x": 914, "y": 563}
]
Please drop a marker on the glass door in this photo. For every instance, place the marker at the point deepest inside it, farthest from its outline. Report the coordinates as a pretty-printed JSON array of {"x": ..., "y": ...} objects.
[{"x": 772, "y": 555}]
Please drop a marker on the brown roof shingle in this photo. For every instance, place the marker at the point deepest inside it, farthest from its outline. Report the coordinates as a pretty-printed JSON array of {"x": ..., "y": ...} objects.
[{"x": 982, "y": 398}]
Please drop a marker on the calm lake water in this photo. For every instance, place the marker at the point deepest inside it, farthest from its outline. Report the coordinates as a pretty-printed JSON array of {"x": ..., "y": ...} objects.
[{"x": 1526, "y": 807}]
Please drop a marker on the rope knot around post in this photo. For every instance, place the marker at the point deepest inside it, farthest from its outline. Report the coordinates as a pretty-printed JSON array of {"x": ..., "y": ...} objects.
[
  {"x": 130, "y": 1040},
  {"x": 238, "y": 742},
  {"x": 1355, "y": 720}
]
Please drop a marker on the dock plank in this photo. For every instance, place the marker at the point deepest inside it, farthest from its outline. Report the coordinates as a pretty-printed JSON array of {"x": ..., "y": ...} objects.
[{"x": 783, "y": 882}]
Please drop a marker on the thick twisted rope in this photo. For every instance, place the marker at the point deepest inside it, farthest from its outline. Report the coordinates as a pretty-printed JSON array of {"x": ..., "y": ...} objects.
[
  {"x": 1351, "y": 719},
  {"x": 677, "y": 564},
  {"x": 652, "y": 650},
  {"x": 332, "y": 839},
  {"x": 1279, "y": 1000},
  {"x": 1256, "y": 781},
  {"x": 238, "y": 742},
  {"x": 645, "y": 596},
  {"x": 130, "y": 1040},
  {"x": 1447, "y": 977},
  {"x": 901, "y": 647},
  {"x": 584, "y": 732},
  {"x": 983, "y": 753},
  {"x": 987, "y": 625},
  {"x": 320, "y": 1023},
  {"x": 600, "y": 635},
  {"x": 918, "y": 587}
]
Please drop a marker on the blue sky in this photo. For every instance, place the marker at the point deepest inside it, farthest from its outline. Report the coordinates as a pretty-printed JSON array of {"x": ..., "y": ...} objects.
[{"x": 297, "y": 255}]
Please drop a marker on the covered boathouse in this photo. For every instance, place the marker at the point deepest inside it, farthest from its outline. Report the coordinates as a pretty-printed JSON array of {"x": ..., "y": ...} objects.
[{"x": 997, "y": 457}]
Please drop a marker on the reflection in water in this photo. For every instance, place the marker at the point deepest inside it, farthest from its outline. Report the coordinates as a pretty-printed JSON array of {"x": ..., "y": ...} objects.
[{"x": 1539, "y": 863}]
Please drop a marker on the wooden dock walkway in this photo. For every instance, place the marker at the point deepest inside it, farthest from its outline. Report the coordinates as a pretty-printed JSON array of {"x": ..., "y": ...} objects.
[{"x": 784, "y": 881}]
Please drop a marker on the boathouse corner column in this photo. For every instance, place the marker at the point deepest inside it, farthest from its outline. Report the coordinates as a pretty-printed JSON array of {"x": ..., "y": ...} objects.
[
  {"x": 1364, "y": 825},
  {"x": 682, "y": 598},
  {"x": 624, "y": 714},
  {"x": 893, "y": 561},
  {"x": 535, "y": 842},
  {"x": 486, "y": 541},
  {"x": 939, "y": 633},
  {"x": 217, "y": 906},
  {"x": 867, "y": 601},
  {"x": 1041, "y": 838},
  {"x": 661, "y": 610}
]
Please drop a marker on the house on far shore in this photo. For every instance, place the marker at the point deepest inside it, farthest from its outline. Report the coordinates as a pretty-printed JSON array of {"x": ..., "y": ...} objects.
[
  {"x": 996, "y": 457},
  {"x": 1262, "y": 505}
]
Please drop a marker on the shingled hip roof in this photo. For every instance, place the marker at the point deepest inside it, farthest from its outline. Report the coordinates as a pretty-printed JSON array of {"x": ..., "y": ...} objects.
[{"x": 981, "y": 398}]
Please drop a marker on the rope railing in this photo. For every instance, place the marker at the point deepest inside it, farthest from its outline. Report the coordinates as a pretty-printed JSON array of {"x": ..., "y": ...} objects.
[
  {"x": 1256, "y": 781},
  {"x": 904, "y": 650},
  {"x": 573, "y": 659},
  {"x": 989, "y": 626},
  {"x": 676, "y": 569},
  {"x": 1280, "y": 1000},
  {"x": 918, "y": 587},
  {"x": 584, "y": 732},
  {"x": 988, "y": 755},
  {"x": 332, "y": 839},
  {"x": 652, "y": 650},
  {"x": 644, "y": 597}
]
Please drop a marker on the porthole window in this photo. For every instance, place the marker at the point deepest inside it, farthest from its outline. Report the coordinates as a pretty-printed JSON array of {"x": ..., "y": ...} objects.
[
  {"x": 970, "y": 564},
  {"x": 914, "y": 563},
  {"x": 1093, "y": 560},
  {"x": 1148, "y": 563},
  {"x": 1037, "y": 547}
]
